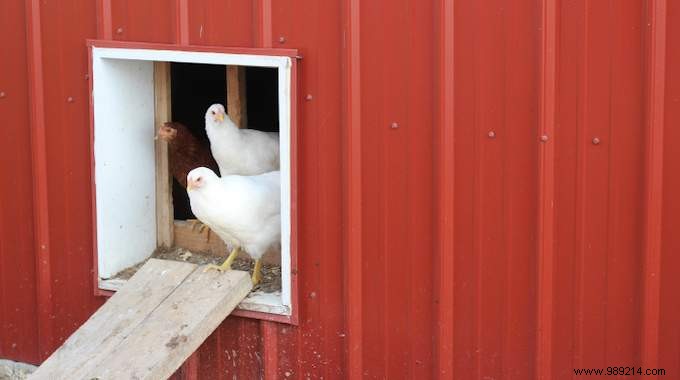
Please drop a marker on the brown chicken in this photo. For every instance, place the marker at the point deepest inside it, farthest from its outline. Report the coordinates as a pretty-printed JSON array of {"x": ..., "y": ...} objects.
[{"x": 185, "y": 151}]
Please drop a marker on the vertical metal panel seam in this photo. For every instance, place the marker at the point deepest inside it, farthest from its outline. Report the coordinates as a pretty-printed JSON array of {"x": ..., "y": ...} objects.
[
  {"x": 477, "y": 195},
  {"x": 263, "y": 23},
  {"x": 353, "y": 227},
  {"x": 445, "y": 196},
  {"x": 104, "y": 20},
  {"x": 182, "y": 28},
  {"x": 270, "y": 353},
  {"x": 580, "y": 204},
  {"x": 39, "y": 173},
  {"x": 546, "y": 212},
  {"x": 654, "y": 181}
]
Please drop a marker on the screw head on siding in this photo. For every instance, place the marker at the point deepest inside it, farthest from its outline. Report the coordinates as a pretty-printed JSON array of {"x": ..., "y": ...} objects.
[
  {"x": 596, "y": 141},
  {"x": 119, "y": 31},
  {"x": 544, "y": 138},
  {"x": 2, "y": 94},
  {"x": 87, "y": 76},
  {"x": 282, "y": 40},
  {"x": 309, "y": 97},
  {"x": 69, "y": 99},
  {"x": 394, "y": 125},
  {"x": 492, "y": 134}
]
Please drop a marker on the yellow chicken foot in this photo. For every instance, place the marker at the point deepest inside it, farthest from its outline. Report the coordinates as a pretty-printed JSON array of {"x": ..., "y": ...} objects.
[
  {"x": 257, "y": 272},
  {"x": 226, "y": 265}
]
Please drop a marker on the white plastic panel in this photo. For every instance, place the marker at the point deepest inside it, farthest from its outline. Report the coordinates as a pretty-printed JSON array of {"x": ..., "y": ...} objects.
[{"x": 125, "y": 186}]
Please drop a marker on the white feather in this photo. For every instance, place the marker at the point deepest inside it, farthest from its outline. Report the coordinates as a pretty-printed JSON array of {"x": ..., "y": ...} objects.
[
  {"x": 240, "y": 151},
  {"x": 242, "y": 210}
]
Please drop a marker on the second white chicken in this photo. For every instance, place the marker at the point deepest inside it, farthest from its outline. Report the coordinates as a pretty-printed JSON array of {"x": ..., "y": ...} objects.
[{"x": 240, "y": 151}]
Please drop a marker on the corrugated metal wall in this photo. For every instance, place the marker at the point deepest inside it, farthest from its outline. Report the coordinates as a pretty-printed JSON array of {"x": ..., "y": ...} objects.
[{"x": 486, "y": 188}]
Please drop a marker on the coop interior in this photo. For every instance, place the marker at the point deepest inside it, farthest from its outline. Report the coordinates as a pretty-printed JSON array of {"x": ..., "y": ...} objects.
[{"x": 179, "y": 92}]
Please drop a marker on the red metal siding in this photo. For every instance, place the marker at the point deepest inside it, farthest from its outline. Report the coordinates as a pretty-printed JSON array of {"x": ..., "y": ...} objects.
[
  {"x": 18, "y": 317},
  {"x": 148, "y": 21},
  {"x": 669, "y": 319},
  {"x": 496, "y": 151},
  {"x": 397, "y": 164},
  {"x": 221, "y": 23},
  {"x": 66, "y": 93},
  {"x": 486, "y": 188},
  {"x": 600, "y": 161}
]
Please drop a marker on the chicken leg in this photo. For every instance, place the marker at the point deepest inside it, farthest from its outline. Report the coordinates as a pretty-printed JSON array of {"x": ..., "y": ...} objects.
[
  {"x": 226, "y": 265},
  {"x": 257, "y": 272}
]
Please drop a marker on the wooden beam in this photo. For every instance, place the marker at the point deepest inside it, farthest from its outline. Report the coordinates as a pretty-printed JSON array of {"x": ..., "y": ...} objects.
[
  {"x": 190, "y": 238},
  {"x": 164, "y": 210},
  {"x": 236, "y": 95}
]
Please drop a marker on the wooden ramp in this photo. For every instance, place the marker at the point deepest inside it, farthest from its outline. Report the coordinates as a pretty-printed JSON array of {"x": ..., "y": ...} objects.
[{"x": 150, "y": 326}]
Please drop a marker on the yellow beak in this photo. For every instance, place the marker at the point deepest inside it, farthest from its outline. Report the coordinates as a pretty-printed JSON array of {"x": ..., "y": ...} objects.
[
  {"x": 220, "y": 117},
  {"x": 190, "y": 186}
]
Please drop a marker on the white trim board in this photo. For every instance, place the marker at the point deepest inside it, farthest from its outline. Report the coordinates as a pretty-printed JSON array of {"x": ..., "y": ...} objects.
[
  {"x": 125, "y": 177},
  {"x": 123, "y": 106}
]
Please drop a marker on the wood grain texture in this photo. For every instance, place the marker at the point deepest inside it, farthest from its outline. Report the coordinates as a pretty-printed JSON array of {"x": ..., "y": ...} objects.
[
  {"x": 115, "y": 320},
  {"x": 164, "y": 210},
  {"x": 176, "y": 328},
  {"x": 190, "y": 238},
  {"x": 236, "y": 95},
  {"x": 151, "y": 325}
]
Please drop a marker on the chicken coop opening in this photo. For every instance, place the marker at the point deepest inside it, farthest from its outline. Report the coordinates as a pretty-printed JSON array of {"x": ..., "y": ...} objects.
[
  {"x": 150, "y": 111},
  {"x": 195, "y": 86}
]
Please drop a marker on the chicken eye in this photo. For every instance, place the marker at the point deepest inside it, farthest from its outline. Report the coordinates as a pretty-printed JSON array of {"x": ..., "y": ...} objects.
[{"x": 213, "y": 112}]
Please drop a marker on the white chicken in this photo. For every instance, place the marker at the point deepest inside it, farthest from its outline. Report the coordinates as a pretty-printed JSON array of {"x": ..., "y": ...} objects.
[
  {"x": 244, "y": 211},
  {"x": 240, "y": 151}
]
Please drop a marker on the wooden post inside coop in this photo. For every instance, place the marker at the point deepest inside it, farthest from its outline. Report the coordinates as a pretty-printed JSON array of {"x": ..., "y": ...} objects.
[
  {"x": 163, "y": 113},
  {"x": 236, "y": 95}
]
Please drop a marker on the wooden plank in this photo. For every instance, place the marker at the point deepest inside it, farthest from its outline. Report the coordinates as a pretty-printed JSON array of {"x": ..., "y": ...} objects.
[
  {"x": 167, "y": 337},
  {"x": 164, "y": 210},
  {"x": 192, "y": 239},
  {"x": 236, "y": 95},
  {"x": 188, "y": 237},
  {"x": 115, "y": 320}
]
